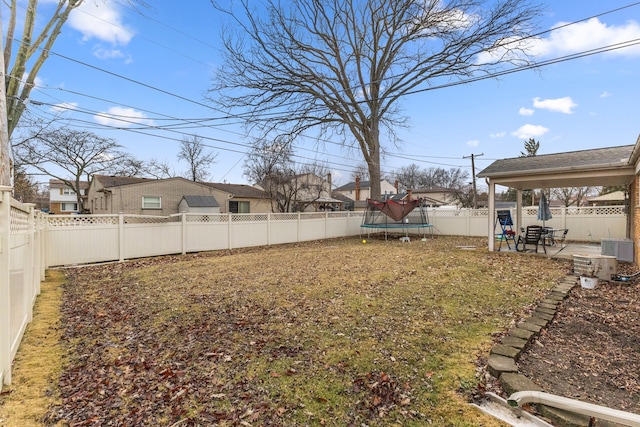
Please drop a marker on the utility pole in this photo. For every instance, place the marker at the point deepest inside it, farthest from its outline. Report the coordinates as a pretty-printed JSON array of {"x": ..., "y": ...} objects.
[{"x": 473, "y": 174}]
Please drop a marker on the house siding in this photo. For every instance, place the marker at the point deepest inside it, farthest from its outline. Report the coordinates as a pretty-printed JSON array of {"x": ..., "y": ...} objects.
[{"x": 128, "y": 198}]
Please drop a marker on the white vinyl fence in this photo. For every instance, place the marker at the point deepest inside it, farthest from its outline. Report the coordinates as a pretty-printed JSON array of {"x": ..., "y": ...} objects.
[
  {"x": 21, "y": 271},
  {"x": 31, "y": 242}
]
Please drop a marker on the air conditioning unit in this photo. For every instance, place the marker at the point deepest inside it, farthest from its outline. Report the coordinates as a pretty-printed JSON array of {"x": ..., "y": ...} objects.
[{"x": 622, "y": 249}]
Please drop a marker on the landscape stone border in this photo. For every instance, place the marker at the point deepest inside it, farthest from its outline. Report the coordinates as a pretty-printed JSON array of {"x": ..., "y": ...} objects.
[{"x": 504, "y": 355}]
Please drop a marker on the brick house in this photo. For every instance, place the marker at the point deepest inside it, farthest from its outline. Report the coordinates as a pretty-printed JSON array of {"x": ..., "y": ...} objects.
[{"x": 145, "y": 196}]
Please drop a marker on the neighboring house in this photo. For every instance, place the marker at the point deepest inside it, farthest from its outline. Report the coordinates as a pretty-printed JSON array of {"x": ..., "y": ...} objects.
[
  {"x": 436, "y": 196},
  {"x": 301, "y": 193},
  {"x": 240, "y": 198},
  {"x": 199, "y": 204},
  {"x": 141, "y": 196},
  {"x": 62, "y": 198},
  {"x": 359, "y": 191},
  {"x": 613, "y": 198}
]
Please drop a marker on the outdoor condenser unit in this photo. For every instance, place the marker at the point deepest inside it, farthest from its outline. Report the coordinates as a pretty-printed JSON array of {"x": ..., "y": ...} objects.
[{"x": 622, "y": 249}]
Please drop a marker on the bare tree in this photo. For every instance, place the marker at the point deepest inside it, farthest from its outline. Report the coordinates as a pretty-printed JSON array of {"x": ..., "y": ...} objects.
[
  {"x": 192, "y": 150},
  {"x": 159, "y": 169},
  {"x": 413, "y": 177},
  {"x": 572, "y": 196},
  {"x": 290, "y": 187},
  {"x": 342, "y": 65},
  {"x": 361, "y": 170},
  {"x": 73, "y": 156}
]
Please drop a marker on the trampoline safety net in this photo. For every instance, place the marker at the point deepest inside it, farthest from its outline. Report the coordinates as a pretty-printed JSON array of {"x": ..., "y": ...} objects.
[{"x": 395, "y": 214}]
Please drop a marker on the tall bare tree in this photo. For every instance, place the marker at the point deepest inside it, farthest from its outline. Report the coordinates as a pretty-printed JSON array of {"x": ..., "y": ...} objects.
[
  {"x": 74, "y": 156},
  {"x": 342, "y": 65},
  {"x": 193, "y": 151}
]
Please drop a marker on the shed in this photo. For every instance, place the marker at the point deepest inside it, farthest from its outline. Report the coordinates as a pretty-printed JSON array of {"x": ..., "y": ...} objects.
[{"x": 199, "y": 204}]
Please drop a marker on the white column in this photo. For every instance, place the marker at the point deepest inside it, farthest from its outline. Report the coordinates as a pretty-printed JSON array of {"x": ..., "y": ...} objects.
[{"x": 492, "y": 214}]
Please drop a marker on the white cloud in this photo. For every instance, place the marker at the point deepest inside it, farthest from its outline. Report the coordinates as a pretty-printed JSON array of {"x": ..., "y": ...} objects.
[
  {"x": 530, "y": 131},
  {"x": 587, "y": 35},
  {"x": 64, "y": 106},
  {"x": 473, "y": 143},
  {"x": 100, "y": 20},
  {"x": 526, "y": 111},
  {"x": 104, "y": 53},
  {"x": 605, "y": 94},
  {"x": 559, "y": 105},
  {"x": 498, "y": 134},
  {"x": 122, "y": 117}
]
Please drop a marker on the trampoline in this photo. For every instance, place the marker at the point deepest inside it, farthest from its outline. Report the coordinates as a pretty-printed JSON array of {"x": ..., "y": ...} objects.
[{"x": 396, "y": 215}]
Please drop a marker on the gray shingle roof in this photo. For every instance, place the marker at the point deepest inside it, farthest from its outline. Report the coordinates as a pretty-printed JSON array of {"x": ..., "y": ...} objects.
[
  {"x": 117, "y": 181},
  {"x": 239, "y": 190},
  {"x": 201, "y": 201},
  {"x": 599, "y": 158},
  {"x": 352, "y": 186}
]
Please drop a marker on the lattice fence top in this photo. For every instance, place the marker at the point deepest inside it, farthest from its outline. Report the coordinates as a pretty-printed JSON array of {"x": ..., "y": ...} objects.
[
  {"x": 148, "y": 219},
  {"x": 19, "y": 220},
  {"x": 284, "y": 217},
  {"x": 78, "y": 221},
  {"x": 208, "y": 218},
  {"x": 249, "y": 217}
]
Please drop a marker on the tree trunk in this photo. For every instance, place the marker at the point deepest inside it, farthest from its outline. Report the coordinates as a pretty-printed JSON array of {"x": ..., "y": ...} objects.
[
  {"x": 373, "y": 159},
  {"x": 5, "y": 148}
]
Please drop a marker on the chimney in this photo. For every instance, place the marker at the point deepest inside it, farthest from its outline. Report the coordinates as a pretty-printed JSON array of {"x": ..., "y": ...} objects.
[
  {"x": 329, "y": 182},
  {"x": 357, "y": 188},
  {"x": 397, "y": 185},
  {"x": 409, "y": 195}
]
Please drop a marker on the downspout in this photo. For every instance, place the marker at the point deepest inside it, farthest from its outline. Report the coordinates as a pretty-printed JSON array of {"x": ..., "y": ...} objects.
[{"x": 575, "y": 406}]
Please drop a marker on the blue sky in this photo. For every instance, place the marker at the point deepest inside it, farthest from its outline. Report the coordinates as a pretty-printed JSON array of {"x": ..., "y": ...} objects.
[{"x": 155, "y": 67}]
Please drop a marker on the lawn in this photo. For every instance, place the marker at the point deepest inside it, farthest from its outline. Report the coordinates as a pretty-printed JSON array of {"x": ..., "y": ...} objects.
[{"x": 335, "y": 333}]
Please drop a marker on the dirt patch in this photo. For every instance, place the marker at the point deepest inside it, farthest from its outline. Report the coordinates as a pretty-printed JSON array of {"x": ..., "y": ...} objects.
[{"x": 590, "y": 351}]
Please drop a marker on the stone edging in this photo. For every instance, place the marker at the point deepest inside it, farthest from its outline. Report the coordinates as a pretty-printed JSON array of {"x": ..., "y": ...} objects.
[{"x": 504, "y": 355}]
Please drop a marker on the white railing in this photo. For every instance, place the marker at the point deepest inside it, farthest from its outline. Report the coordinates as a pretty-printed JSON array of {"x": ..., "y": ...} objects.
[{"x": 31, "y": 242}]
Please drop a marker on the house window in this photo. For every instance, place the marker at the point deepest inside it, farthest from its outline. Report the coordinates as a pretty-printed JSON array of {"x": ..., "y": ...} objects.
[
  {"x": 151, "y": 202},
  {"x": 238, "y": 207},
  {"x": 67, "y": 192},
  {"x": 68, "y": 207}
]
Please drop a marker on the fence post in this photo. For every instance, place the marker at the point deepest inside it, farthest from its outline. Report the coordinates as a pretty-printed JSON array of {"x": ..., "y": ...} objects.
[
  {"x": 29, "y": 265},
  {"x": 183, "y": 218},
  {"x": 5, "y": 292},
  {"x": 121, "y": 236},
  {"x": 229, "y": 231},
  {"x": 268, "y": 228}
]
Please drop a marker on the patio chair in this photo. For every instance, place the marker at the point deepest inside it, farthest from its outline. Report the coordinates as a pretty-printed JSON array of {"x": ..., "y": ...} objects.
[{"x": 532, "y": 236}]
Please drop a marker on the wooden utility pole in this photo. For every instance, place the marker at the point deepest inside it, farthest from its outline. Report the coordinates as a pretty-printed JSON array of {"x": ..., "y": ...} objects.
[{"x": 473, "y": 175}]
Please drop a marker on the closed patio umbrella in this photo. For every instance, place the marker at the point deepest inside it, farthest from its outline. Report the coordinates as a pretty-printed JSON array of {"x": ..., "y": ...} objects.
[{"x": 544, "y": 213}]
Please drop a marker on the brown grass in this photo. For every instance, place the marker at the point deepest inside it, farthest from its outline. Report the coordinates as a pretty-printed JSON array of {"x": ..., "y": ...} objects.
[
  {"x": 322, "y": 333},
  {"x": 38, "y": 364}
]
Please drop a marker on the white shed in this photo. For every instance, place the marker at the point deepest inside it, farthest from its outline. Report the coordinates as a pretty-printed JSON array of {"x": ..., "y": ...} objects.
[{"x": 199, "y": 204}]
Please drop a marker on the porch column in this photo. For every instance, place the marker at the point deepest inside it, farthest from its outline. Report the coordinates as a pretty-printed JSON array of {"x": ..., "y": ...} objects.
[
  {"x": 492, "y": 214},
  {"x": 518, "y": 209}
]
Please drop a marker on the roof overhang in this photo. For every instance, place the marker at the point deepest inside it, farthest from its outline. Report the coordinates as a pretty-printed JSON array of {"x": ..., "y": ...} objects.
[{"x": 620, "y": 175}]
